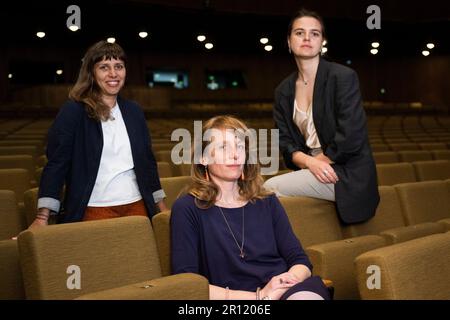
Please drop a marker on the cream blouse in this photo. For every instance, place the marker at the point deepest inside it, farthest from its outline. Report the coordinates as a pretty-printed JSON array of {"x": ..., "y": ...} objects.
[{"x": 305, "y": 123}]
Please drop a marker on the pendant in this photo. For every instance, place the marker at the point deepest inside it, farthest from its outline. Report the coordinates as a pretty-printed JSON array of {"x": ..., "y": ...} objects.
[{"x": 242, "y": 255}]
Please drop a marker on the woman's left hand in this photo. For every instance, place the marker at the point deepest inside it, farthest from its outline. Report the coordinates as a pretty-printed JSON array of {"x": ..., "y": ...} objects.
[{"x": 278, "y": 285}]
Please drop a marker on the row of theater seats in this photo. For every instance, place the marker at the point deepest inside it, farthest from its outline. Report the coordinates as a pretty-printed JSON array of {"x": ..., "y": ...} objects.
[
  {"x": 407, "y": 213},
  {"x": 410, "y": 146},
  {"x": 395, "y": 173}
]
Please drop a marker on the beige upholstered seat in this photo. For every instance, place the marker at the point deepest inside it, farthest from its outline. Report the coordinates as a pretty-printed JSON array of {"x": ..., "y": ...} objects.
[
  {"x": 416, "y": 269},
  {"x": 117, "y": 254}
]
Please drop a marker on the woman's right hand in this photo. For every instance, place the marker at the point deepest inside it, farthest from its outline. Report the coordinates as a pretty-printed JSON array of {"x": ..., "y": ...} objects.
[
  {"x": 322, "y": 170},
  {"x": 278, "y": 285}
]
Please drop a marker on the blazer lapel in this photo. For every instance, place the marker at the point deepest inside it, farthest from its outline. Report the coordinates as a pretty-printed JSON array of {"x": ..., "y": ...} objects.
[{"x": 319, "y": 97}]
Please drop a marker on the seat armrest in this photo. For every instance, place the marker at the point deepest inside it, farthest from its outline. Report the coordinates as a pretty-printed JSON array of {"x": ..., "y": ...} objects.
[
  {"x": 334, "y": 261},
  {"x": 185, "y": 286},
  {"x": 403, "y": 234}
]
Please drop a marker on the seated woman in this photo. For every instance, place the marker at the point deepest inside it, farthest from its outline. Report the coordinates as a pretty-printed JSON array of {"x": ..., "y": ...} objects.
[{"x": 233, "y": 232}]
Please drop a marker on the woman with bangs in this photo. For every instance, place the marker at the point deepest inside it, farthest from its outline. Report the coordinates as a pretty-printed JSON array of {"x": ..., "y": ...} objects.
[
  {"x": 99, "y": 148},
  {"x": 233, "y": 232}
]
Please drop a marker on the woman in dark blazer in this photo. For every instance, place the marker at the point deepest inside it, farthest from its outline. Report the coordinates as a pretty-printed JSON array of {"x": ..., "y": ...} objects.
[
  {"x": 323, "y": 135},
  {"x": 99, "y": 148}
]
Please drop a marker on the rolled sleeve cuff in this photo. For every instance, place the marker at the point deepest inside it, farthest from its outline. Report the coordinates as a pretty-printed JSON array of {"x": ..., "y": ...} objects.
[
  {"x": 50, "y": 203},
  {"x": 159, "y": 195}
]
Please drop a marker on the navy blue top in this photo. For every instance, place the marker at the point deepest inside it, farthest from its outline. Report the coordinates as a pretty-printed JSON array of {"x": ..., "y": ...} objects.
[{"x": 202, "y": 243}]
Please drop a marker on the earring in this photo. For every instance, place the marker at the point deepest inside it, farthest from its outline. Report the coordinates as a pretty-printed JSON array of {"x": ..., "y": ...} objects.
[
  {"x": 242, "y": 175},
  {"x": 206, "y": 173}
]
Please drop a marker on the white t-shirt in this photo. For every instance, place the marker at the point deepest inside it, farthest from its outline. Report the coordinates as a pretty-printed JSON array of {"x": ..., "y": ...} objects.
[{"x": 116, "y": 180}]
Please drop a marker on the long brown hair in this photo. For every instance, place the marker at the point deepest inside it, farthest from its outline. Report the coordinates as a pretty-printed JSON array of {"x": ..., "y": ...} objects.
[
  {"x": 206, "y": 192},
  {"x": 86, "y": 89}
]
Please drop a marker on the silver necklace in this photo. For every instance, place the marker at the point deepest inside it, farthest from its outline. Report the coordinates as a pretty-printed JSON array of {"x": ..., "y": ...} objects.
[
  {"x": 305, "y": 82},
  {"x": 240, "y": 247}
]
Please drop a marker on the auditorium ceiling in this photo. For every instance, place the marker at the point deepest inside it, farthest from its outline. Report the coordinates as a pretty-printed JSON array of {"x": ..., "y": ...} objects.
[{"x": 233, "y": 26}]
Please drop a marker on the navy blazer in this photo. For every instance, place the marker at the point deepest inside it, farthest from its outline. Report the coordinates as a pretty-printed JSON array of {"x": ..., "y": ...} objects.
[
  {"x": 340, "y": 123},
  {"x": 75, "y": 143}
]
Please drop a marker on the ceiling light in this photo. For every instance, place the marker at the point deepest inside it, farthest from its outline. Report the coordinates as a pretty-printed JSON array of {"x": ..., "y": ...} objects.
[
  {"x": 209, "y": 45},
  {"x": 268, "y": 47},
  {"x": 426, "y": 53},
  {"x": 143, "y": 34},
  {"x": 10, "y": 76},
  {"x": 201, "y": 38},
  {"x": 324, "y": 49},
  {"x": 59, "y": 72},
  {"x": 111, "y": 40},
  {"x": 430, "y": 45},
  {"x": 264, "y": 40},
  {"x": 374, "y": 51},
  {"x": 40, "y": 34},
  {"x": 375, "y": 44},
  {"x": 73, "y": 28}
]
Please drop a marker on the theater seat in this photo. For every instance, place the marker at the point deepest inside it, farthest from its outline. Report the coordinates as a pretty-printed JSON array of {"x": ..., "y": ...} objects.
[
  {"x": 12, "y": 222},
  {"x": 432, "y": 170},
  {"x": 20, "y": 161},
  {"x": 393, "y": 173},
  {"x": 16, "y": 180},
  {"x": 116, "y": 259},
  {"x": 390, "y": 223},
  {"x": 414, "y": 155},
  {"x": 385, "y": 157},
  {"x": 11, "y": 284},
  {"x": 441, "y": 154},
  {"x": 164, "y": 169},
  {"x": 316, "y": 225},
  {"x": 414, "y": 270},
  {"x": 427, "y": 201},
  {"x": 173, "y": 187}
]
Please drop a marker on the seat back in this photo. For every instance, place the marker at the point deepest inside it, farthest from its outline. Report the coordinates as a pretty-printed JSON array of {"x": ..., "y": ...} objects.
[
  {"x": 164, "y": 169},
  {"x": 393, "y": 173},
  {"x": 432, "y": 170},
  {"x": 385, "y": 157},
  {"x": 12, "y": 221},
  {"x": 441, "y": 154},
  {"x": 30, "y": 198},
  {"x": 426, "y": 201},
  {"x": 161, "y": 227},
  {"x": 18, "y": 150},
  {"x": 388, "y": 216},
  {"x": 313, "y": 221},
  {"x": 433, "y": 146},
  {"x": 16, "y": 180},
  {"x": 173, "y": 187},
  {"x": 417, "y": 269},
  {"x": 101, "y": 254},
  {"x": 403, "y": 146},
  {"x": 414, "y": 155},
  {"x": 379, "y": 147},
  {"x": 19, "y": 161},
  {"x": 11, "y": 284}
]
